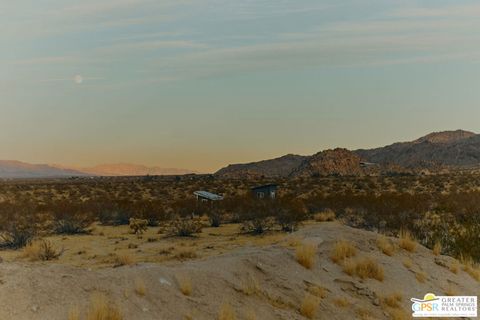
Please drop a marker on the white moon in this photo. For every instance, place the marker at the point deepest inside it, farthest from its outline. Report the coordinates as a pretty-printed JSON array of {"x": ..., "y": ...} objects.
[{"x": 78, "y": 79}]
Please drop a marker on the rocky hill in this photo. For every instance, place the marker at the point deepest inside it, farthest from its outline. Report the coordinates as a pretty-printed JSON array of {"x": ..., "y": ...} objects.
[
  {"x": 434, "y": 152},
  {"x": 338, "y": 161},
  {"x": 437, "y": 150},
  {"x": 278, "y": 167}
]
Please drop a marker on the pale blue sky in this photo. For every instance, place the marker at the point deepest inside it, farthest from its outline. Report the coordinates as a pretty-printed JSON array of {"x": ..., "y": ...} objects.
[{"x": 200, "y": 84}]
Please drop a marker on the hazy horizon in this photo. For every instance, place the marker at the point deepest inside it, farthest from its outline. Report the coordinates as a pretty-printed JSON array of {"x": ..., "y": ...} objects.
[{"x": 201, "y": 84}]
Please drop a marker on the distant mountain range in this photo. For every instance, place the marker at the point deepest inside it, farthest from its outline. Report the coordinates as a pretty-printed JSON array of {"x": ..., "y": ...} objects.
[
  {"x": 128, "y": 169},
  {"x": 11, "y": 169},
  {"x": 434, "y": 152}
]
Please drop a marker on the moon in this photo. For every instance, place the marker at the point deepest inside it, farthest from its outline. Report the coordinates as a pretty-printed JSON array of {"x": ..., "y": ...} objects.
[{"x": 78, "y": 79}]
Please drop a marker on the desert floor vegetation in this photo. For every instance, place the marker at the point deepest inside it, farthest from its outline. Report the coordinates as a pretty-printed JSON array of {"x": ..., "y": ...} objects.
[
  {"x": 123, "y": 259},
  {"x": 386, "y": 246},
  {"x": 364, "y": 268},
  {"x": 41, "y": 250},
  {"x": 226, "y": 312},
  {"x": 342, "y": 250},
  {"x": 406, "y": 241},
  {"x": 102, "y": 309},
  {"x": 437, "y": 248},
  {"x": 306, "y": 255},
  {"x": 140, "y": 287},
  {"x": 309, "y": 306},
  {"x": 341, "y": 302},
  {"x": 185, "y": 285},
  {"x": 393, "y": 300}
]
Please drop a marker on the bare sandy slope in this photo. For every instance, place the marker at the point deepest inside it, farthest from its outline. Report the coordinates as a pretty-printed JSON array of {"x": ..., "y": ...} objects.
[{"x": 49, "y": 290}]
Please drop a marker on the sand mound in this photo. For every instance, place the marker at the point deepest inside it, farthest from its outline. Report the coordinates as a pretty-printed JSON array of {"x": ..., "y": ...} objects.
[{"x": 268, "y": 282}]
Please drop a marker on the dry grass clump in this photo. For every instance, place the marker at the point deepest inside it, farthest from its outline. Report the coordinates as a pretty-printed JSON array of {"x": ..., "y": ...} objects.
[
  {"x": 365, "y": 268},
  {"x": 341, "y": 302},
  {"x": 407, "y": 263},
  {"x": 364, "y": 314},
  {"x": 74, "y": 313},
  {"x": 305, "y": 255},
  {"x": 385, "y": 246},
  {"x": 393, "y": 300},
  {"x": 342, "y": 250},
  {"x": 421, "y": 276},
  {"x": 406, "y": 241},
  {"x": 250, "y": 315},
  {"x": 317, "y": 291},
  {"x": 140, "y": 287},
  {"x": 123, "y": 259},
  {"x": 309, "y": 306},
  {"x": 185, "y": 255},
  {"x": 470, "y": 267},
  {"x": 450, "y": 291},
  {"x": 399, "y": 314},
  {"x": 327, "y": 215},
  {"x": 454, "y": 268},
  {"x": 41, "y": 251},
  {"x": 226, "y": 312},
  {"x": 101, "y": 309},
  {"x": 185, "y": 284},
  {"x": 250, "y": 285},
  {"x": 437, "y": 248}
]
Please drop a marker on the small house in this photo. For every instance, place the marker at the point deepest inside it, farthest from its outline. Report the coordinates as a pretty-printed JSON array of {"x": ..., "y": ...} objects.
[
  {"x": 265, "y": 191},
  {"x": 206, "y": 196}
]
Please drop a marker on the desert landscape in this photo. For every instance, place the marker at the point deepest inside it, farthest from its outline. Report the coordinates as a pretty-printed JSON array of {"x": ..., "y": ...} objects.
[
  {"x": 239, "y": 160},
  {"x": 341, "y": 242}
]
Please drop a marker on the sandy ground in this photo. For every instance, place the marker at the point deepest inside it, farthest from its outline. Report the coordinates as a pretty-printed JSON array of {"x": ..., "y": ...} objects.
[{"x": 255, "y": 276}]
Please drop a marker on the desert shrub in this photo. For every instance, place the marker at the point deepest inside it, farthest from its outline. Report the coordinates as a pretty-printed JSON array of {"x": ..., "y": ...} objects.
[
  {"x": 138, "y": 226},
  {"x": 226, "y": 312},
  {"x": 70, "y": 218},
  {"x": 184, "y": 284},
  {"x": 215, "y": 217},
  {"x": 185, "y": 227},
  {"x": 364, "y": 268},
  {"x": 306, "y": 254},
  {"x": 151, "y": 211},
  {"x": 326, "y": 215},
  {"x": 289, "y": 213},
  {"x": 393, "y": 300},
  {"x": 123, "y": 260},
  {"x": 102, "y": 309},
  {"x": 112, "y": 212},
  {"x": 18, "y": 225},
  {"x": 41, "y": 251},
  {"x": 140, "y": 287},
  {"x": 406, "y": 241},
  {"x": 342, "y": 250},
  {"x": 385, "y": 246},
  {"x": 258, "y": 225},
  {"x": 309, "y": 306}
]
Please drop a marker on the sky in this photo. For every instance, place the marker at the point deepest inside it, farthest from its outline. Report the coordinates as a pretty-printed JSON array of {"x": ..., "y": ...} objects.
[{"x": 199, "y": 84}]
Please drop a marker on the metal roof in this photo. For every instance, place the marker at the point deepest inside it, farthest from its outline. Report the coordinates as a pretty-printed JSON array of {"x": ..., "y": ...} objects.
[
  {"x": 208, "y": 195},
  {"x": 271, "y": 185}
]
